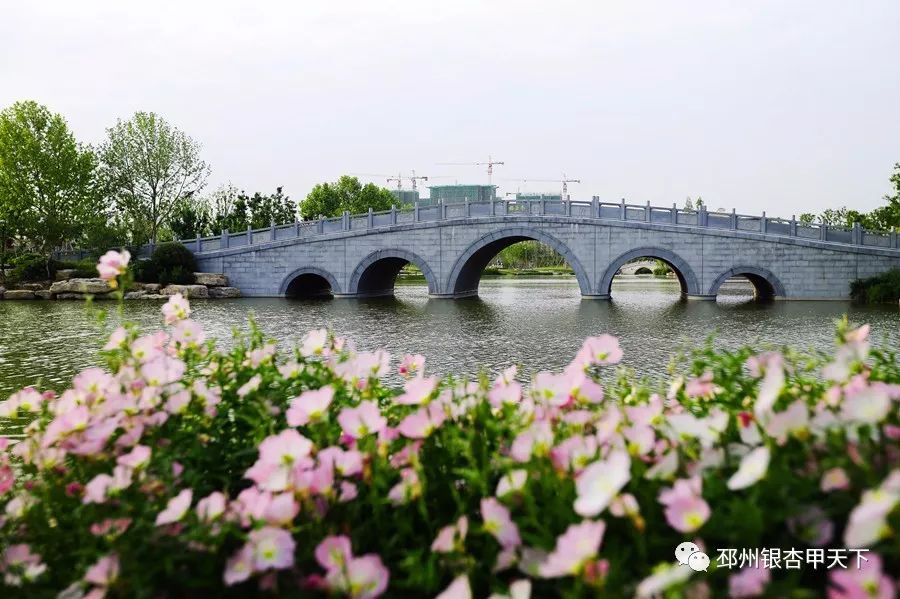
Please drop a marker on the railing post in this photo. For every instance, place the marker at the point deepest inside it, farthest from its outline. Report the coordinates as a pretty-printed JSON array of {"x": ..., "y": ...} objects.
[
  {"x": 468, "y": 209},
  {"x": 763, "y": 223},
  {"x": 894, "y": 237},
  {"x": 568, "y": 207},
  {"x": 857, "y": 234},
  {"x": 622, "y": 211},
  {"x": 543, "y": 205},
  {"x": 224, "y": 242},
  {"x": 733, "y": 219},
  {"x": 345, "y": 220},
  {"x": 296, "y": 226},
  {"x": 595, "y": 207},
  {"x": 505, "y": 205},
  {"x": 493, "y": 207},
  {"x": 793, "y": 229},
  {"x": 647, "y": 212},
  {"x": 197, "y": 243},
  {"x": 416, "y": 212},
  {"x": 272, "y": 230},
  {"x": 393, "y": 214},
  {"x": 702, "y": 217},
  {"x": 249, "y": 234},
  {"x": 674, "y": 213},
  {"x": 442, "y": 212},
  {"x": 370, "y": 222},
  {"x": 823, "y": 232}
]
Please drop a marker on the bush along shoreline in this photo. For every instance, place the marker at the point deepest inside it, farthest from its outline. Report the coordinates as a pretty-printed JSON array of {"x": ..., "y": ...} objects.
[
  {"x": 880, "y": 289},
  {"x": 170, "y": 270},
  {"x": 183, "y": 470}
]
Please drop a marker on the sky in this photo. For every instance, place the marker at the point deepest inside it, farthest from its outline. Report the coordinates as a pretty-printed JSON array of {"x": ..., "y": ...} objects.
[{"x": 786, "y": 107}]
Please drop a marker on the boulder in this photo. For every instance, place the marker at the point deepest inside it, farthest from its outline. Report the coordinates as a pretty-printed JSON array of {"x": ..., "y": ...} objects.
[
  {"x": 135, "y": 295},
  {"x": 2, "y": 291},
  {"x": 188, "y": 291},
  {"x": 152, "y": 287},
  {"x": 32, "y": 286},
  {"x": 92, "y": 286},
  {"x": 43, "y": 294},
  {"x": 155, "y": 296},
  {"x": 19, "y": 294},
  {"x": 224, "y": 292},
  {"x": 69, "y": 296},
  {"x": 211, "y": 279},
  {"x": 65, "y": 274}
]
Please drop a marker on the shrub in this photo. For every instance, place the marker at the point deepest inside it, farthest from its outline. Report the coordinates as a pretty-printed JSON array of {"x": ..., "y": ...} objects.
[
  {"x": 879, "y": 289},
  {"x": 145, "y": 271},
  {"x": 187, "y": 471},
  {"x": 174, "y": 263},
  {"x": 84, "y": 269},
  {"x": 32, "y": 267}
]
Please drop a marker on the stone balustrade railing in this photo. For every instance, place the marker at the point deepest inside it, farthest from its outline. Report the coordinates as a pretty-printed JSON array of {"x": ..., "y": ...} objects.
[{"x": 595, "y": 209}]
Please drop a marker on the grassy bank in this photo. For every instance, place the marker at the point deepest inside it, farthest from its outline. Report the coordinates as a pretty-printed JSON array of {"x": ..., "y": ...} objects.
[{"x": 883, "y": 288}]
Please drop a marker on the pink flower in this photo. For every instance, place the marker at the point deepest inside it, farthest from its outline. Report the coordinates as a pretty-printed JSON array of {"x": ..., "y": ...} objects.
[
  {"x": 834, "y": 479},
  {"x": 112, "y": 264},
  {"x": 239, "y": 566},
  {"x": 104, "y": 572},
  {"x": 498, "y": 522},
  {"x": 348, "y": 493},
  {"x": 177, "y": 308},
  {"x": 211, "y": 507},
  {"x": 272, "y": 548},
  {"x": 278, "y": 455},
  {"x": 536, "y": 440},
  {"x": 366, "y": 577},
  {"x": 188, "y": 332},
  {"x": 574, "y": 548},
  {"x": 866, "y": 582},
  {"x": 7, "y": 479},
  {"x": 250, "y": 386},
  {"x": 178, "y": 402},
  {"x": 407, "y": 489},
  {"x": 334, "y": 552},
  {"x": 100, "y": 487},
  {"x": 450, "y": 538},
  {"x": 598, "y": 351},
  {"x": 753, "y": 467},
  {"x": 505, "y": 395},
  {"x": 176, "y": 508},
  {"x": 162, "y": 371},
  {"x": 812, "y": 526},
  {"x": 458, "y": 589},
  {"x": 310, "y": 406},
  {"x": 411, "y": 365},
  {"x": 116, "y": 339},
  {"x": 869, "y": 405},
  {"x": 511, "y": 482},
  {"x": 423, "y": 422},
  {"x": 686, "y": 510},
  {"x": 701, "y": 386},
  {"x": 136, "y": 459},
  {"x": 362, "y": 420},
  {"x": 749, "y": 582},
  {"x": 314, "y": 343},
  {"x": 417, "y": 390},
  {"x": 600, "y": 482},
  {"x": 791, "y": 421},
  {"x": 282, "y": 509}
]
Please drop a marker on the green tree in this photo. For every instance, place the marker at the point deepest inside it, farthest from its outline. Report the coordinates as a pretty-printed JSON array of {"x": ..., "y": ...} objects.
[
  {"x": 150, "y": 168},
  {"x": 190, "y": 219},
  {"x": 47, "y": 179},
  {"x": 807, "y": 218},
  {"x": 331, "y": 199}
]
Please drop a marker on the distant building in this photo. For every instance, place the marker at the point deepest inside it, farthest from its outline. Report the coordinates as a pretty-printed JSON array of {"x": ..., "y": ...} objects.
[
  {"x": 405, "y": 196},
  {"x": 550, "y": 197},
  {"x": 457, "y": 194}
]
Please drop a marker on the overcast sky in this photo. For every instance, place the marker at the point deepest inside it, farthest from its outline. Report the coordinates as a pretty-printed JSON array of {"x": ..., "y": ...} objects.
[{"x": 765, "y": 105}]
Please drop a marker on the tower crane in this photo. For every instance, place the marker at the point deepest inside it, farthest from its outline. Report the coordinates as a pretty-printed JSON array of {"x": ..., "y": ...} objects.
[
  {"x": 489, "y": 164},
  {"x": 565, "y": 183},
  {"x": 413, "y": 178}
]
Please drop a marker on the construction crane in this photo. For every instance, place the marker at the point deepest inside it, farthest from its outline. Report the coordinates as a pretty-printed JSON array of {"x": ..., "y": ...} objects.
[
  {"x": 413, "y": 178},
  {"x": 565, "y": 183},
  {"x": 489, "y": 164}
]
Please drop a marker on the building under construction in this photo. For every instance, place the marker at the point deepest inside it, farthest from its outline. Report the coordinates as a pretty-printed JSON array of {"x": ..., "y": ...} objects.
[{"x": 457, "y": 194}]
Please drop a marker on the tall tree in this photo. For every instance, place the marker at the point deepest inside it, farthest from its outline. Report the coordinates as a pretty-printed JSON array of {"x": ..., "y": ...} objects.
[
  {"x": 47, "y": 179},
  {"x": 331, "y": 199},
  {"x": 150, "y": 167}
]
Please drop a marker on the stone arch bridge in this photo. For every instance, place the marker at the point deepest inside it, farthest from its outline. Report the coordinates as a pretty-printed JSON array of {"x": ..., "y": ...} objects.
[{"x": 361, "y": 255}]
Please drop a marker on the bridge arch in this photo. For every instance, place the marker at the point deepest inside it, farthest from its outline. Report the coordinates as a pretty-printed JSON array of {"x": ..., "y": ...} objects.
[
  {"x": 309, "y": 282},
  {"x": 682, "y": 269},
  {"x": 466, "y": 273},
  {"x": 765, "y": 284},
  {"x": 376, "y": 274}
]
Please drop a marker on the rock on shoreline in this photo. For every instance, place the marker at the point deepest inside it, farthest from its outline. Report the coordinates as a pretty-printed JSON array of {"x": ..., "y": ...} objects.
[{"x": 209, "y": 285}]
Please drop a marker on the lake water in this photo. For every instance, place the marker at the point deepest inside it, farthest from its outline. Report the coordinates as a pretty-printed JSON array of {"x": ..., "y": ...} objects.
[{"x": 537, "y": 323}]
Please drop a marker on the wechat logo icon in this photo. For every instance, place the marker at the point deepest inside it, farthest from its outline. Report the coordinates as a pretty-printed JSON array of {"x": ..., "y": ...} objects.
[{"x": 689, "y": 554}]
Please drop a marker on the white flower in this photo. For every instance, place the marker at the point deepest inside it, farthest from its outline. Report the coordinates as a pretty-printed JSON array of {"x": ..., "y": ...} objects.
[{"x": 753, "y": 467}]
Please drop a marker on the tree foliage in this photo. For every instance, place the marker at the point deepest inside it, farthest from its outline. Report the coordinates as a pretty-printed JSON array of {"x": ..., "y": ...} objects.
[
  {"x": 332, "y": 199},
  {"x": 228, "y": 208},
  {"x": 151, "y": 168},
  {"x": 47, "y": 183},
  {"x": 882, "y": 218}
]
